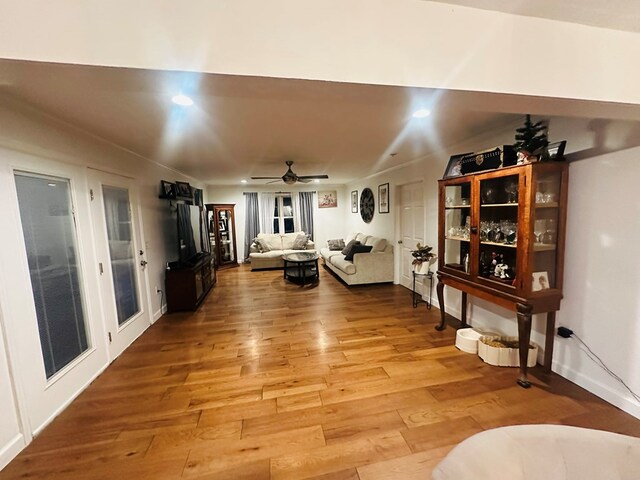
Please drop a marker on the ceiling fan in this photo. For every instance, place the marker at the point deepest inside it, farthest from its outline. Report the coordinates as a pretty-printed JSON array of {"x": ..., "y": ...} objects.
[{"x": 290, "y": 178}]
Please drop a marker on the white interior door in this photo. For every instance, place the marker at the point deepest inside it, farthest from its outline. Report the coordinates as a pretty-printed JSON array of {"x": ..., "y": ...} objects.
[
  {"x": 121, "y": 259},
  {"x": 411, "y": 228},
  {"x": 53, "y": 320}
]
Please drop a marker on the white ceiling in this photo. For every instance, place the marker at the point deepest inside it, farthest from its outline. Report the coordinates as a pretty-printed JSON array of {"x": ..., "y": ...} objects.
[
  {"x": 248, "y": 126},
  {"x": 612, "y": 14}
]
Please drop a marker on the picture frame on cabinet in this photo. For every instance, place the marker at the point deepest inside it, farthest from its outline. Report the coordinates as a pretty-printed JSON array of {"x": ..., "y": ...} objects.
[
  {"x": 383, "y": 198},
  {"x": 539, "y": 281},
  {"x": 354, "y": 201},
  {"x": 454, "y": 166},
  {"x": 167, "y": 189}
]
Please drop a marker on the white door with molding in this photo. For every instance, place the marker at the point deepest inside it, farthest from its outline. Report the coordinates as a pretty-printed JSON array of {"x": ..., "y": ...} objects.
[
  {"x": 412, "y": 224},
  {"x": 121, "y": 258}
]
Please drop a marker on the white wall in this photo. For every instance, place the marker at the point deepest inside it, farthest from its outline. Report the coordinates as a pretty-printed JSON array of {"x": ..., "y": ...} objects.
[
  {"x": 27, "y": 132},
  {"x": 390, "y": 42},
  {"x": 328, "y": 223}
]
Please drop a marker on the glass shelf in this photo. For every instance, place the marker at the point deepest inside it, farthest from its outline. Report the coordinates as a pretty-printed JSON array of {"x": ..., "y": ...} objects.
[
  {"x": 458, "y": 239},
  {"x": 547, "y": 205},
  {"x": 451, "y": 207},
  {"x": 499, "y": 205},
  {"x": 507, "y": 245}
]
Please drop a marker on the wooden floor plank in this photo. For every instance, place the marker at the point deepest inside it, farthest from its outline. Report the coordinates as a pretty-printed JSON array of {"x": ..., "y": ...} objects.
[{"x": 270, "y": 380}]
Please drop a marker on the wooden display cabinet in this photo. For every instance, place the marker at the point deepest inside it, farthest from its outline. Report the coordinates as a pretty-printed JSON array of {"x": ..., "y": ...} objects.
[
  {"x": 223, "y": 227},
  {"x": 501, "y": 236}
]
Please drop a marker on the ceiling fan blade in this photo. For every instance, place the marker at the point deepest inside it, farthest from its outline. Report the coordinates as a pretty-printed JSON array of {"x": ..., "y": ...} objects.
[
  {"x": 304, "y": 180},
  {"x": 312, "y": 177},
  {"x": 264, "y": 178},
  {"x": 275, "y": 181}
]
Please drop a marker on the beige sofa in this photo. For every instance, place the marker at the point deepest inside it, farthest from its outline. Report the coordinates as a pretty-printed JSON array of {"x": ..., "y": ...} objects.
[
  {"x": 373, "y": 267},
  {"x": 279, "y": 244}
]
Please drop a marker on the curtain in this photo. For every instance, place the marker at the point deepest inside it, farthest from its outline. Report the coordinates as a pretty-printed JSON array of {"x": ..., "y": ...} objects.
[
  {"x": 267, "y": 207},
  {"x": 251, "y": 221},
  {"x": 297, "y": 219},
  {"x": 306, "y": 212}
]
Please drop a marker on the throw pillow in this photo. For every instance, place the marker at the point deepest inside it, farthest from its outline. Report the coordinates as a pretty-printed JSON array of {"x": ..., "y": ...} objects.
[
  {"x": 262, "y": 245},
  {"x": 300, "y": 243},
  {"x": 349, "y": 246},
  {"x": 336, "y": 244},
  {"x": 357, "y": 249}
]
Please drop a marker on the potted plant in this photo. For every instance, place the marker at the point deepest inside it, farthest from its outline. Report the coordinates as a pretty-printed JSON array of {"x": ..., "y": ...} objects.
[
  {"x": 531, "y": 140},
  {"x": 422, "y": 258}
]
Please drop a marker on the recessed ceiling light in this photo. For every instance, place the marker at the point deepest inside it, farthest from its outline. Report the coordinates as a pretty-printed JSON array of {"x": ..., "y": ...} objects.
[
  {"x": 423, "y": 112},
  {"x": 316, "y": 181},
  {"x": 182, "y": 100},
  {"x": 52, "y": 184},
  {"x": 243, "y": 181}
]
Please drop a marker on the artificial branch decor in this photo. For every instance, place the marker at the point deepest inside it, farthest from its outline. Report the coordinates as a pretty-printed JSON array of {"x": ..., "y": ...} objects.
[{"x": 531, "y": 140}]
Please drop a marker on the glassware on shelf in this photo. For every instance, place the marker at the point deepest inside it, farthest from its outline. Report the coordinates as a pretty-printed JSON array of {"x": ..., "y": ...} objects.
[
  {"x": 511, "y": 189},
  {"x": 448, "y": 202},
  {"x": 549, "y": 237},
  {"x": 485, "y": 228},
  {"x": 509, "y": 229},
  {"x": 539, "y": 228}
]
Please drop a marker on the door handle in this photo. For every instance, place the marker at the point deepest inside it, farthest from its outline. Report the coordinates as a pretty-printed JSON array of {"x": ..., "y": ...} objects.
[
  {"x": 141, "y": 252},
  {"x": 400, "y": 242},
  {"x": 143, "y": 263}
]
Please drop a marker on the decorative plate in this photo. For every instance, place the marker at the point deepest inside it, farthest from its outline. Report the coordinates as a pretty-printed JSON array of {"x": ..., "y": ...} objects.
[{"x": 367, "y": 205}]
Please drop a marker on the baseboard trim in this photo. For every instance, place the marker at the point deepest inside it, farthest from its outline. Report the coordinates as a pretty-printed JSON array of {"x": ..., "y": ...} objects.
[
  {"x": 623, "y": 402},
  {"x": 158, "y": 313},
  {"x": 11, "y": 450}
]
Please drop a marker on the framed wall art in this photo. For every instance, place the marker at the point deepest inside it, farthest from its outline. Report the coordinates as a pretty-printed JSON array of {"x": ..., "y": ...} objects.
[
  {"x": 328, "y": 199},
  {"x": 454, "y": 166},
  {"x": 383, "y": 198},
  {"x": 354, "y": 201}
]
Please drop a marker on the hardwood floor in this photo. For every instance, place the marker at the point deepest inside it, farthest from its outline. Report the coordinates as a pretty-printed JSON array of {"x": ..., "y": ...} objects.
[{"x": 271, "y": 380}]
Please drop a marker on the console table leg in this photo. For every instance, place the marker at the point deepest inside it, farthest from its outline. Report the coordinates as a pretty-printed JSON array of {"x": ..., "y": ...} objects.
[
  {"x": 463, "y": 311},
  {"x": 524, "y": 337},
  {"x": 548, "y": 341},
  {"x": 440, "y": 291}
]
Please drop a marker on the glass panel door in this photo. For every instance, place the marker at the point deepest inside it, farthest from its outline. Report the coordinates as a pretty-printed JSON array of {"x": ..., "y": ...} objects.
[
  {"x": 457, "y": 224},
  {"x": 499, "y": 230},
  {"x": 48, "y": 227},
  {"x": 545, "y": 230},
  {"x": 225, "y": 224},
  {"x": 117, "y": 212}
]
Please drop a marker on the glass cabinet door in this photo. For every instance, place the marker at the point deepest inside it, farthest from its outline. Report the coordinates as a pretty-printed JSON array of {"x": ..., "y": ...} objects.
[
  {"x": 457, "y": 225},
  {"x": 544, "y": 221},
  {"x": 498, "y": 231},
  {"x": 225, "y": 219}
]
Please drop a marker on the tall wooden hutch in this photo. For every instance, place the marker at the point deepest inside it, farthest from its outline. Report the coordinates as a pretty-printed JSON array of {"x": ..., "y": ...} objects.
[
  {"x": 223, "y": 234},
  {"x": 501, "y": 236}
]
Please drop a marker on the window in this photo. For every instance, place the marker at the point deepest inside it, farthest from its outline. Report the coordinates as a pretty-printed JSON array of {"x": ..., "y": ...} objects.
[{"x": 283, "y": 214}]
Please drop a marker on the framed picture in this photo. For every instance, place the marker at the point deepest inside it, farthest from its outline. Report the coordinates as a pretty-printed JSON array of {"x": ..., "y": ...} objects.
[
  {"x": 183, "y": 189},
  {"x": 328, "y": 199},
  {"x": 454, "y": 166},
  {"x": 354, "y": 201},
  {"x": 167, "y": 189},
  {"x": 383, "y": 198},
  {"x": 221, "y": 226},
  {"x": 555, "y": 151},
  {"x": 539, "y": 281}
]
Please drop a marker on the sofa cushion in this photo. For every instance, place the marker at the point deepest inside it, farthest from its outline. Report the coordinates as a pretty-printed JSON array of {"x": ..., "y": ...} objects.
[
  {"x": 336, "y": 244},
  {"x": 300, "y": 242},
  {"x": 377, "y": 243},
  {"x": 261, "y": 244},
  {"x": 362, "y": 238},
  {"x": 269, "y": 254},
  {"x": 273, "y": 240},
  {"x": 357, "y": 249},
  {"x": 351, "y": 236},
  {"x": 327, "y": 254},
  {"x": 288, "y": 239},
  {"x": 349, "y": 246},
  {"x": 346, "y": 266}
]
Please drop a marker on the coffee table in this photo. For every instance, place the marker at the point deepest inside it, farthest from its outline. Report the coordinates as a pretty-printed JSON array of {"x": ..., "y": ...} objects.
[{"x": 300, "y": 266}]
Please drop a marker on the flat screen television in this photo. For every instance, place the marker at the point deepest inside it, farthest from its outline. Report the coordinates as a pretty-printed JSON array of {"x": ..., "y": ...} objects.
[{"x": 190, "y": 233}]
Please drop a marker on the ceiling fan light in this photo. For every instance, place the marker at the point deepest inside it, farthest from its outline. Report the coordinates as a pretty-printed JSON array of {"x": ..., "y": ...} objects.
[{"x": 289, "y": 180}]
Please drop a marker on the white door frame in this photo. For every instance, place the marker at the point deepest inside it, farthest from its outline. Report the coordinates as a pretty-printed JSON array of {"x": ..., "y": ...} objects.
[
  {"x": 121, "y": 335},
  {"x": 40, "y": 399}
]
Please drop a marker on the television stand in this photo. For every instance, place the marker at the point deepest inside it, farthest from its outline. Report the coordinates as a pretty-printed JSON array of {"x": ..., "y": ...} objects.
[{"x": 188, "y": 285}]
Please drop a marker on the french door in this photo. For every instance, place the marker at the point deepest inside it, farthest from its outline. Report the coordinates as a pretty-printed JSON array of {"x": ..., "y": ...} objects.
[
  {"x": 53, "y": 323},
  {"x": 121, "y": 258}
]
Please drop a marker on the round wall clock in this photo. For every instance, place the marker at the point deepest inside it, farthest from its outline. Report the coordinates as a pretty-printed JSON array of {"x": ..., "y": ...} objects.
[{"x": 367, "y": 205}]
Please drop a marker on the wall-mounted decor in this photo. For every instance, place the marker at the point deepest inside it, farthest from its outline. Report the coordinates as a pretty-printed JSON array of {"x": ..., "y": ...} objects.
[
  {"x": 367, "y": 205},
  {"x": 167, "y": 189},
  {"x": 328, "y": 199},
  {"x": 383, "y": 198},
  {"x": 183, "y": 189},
  {"x": 354, "y": 201}
]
